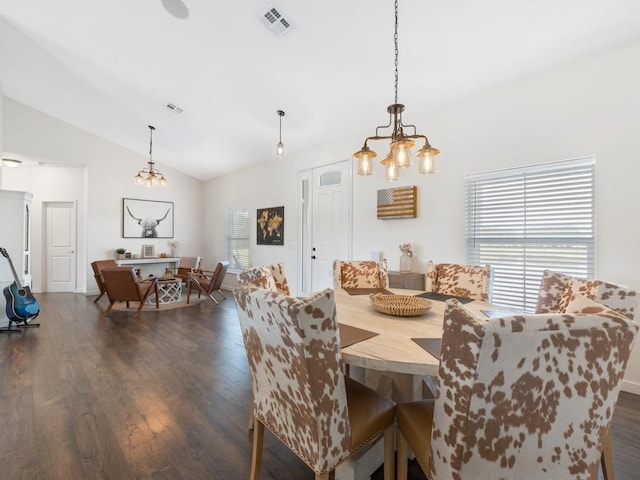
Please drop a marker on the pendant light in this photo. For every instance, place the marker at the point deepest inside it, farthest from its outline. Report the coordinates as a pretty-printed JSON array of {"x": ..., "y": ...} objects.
[
  {"x": 401, "y": 143},
  {"x": 150, "y": 177},
  {"x": 280, "y": 146}
]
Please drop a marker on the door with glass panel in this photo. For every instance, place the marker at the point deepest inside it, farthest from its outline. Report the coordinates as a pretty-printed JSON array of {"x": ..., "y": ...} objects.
[{"x": 330, "y": 221}]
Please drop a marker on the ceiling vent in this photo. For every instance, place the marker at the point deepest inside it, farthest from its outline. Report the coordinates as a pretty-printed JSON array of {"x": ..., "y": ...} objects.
[
  {"x": 275, "y": 21},
  {"x": 174, "y": 108}
]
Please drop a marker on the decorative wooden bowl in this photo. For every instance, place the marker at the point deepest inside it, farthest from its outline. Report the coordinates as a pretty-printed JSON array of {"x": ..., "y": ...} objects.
[{"x": 399, "y": 305}]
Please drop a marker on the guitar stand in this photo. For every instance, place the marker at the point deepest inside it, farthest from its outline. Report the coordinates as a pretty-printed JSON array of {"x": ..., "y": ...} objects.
[{"x": 11, "y": 327}]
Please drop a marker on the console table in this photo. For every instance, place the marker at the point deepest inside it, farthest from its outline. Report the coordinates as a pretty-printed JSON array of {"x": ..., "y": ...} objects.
[
  {"x": 407, "y": 280},
  {"x": 150, "y": 263}
]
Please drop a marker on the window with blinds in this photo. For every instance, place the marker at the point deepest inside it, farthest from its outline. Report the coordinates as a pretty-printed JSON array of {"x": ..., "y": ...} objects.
[
  {"x": 237, "y": 242},
  {"x": 525, "y": 220}
]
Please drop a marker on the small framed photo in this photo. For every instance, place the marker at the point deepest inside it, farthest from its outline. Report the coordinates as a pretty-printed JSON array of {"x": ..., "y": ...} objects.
[{"x": 148, "y": 251}]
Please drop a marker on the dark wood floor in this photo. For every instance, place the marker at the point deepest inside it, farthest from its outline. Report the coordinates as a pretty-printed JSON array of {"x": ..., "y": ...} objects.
[{"x": 163, "y": 397}]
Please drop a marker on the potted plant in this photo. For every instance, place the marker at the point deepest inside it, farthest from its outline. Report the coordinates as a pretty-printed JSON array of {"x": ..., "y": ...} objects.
[{"x": 120, "y": 253}]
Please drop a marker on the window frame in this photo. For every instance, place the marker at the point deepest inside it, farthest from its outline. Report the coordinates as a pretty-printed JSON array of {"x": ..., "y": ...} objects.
[
  {"x": 524, "y": 220},
  {"x": 237, "y": 231}
]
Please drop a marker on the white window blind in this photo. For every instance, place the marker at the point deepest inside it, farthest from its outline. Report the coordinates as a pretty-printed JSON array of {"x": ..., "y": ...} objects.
[
  {"x": 237, "y": 248},
  {"x": 525, "y": 220}
]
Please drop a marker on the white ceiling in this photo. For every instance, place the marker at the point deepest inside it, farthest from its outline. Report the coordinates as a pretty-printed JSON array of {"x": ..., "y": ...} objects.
[{"x": 110, "y": 67}]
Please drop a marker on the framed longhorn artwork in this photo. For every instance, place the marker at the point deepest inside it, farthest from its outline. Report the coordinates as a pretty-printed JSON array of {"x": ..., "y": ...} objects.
[{"x": 146, "y": 218}]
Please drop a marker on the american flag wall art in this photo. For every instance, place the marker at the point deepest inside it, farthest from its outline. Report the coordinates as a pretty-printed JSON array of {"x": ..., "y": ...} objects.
[{"x": 400, "y": 202}]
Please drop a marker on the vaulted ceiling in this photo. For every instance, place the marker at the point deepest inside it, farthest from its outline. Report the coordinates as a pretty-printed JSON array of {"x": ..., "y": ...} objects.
[{"x": 111, "y": 67}]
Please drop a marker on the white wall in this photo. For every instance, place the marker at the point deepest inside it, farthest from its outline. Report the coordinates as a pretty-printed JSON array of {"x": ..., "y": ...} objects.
[
  {"x": 586, "y": 108},
  {"x": 97, "y": 175}
]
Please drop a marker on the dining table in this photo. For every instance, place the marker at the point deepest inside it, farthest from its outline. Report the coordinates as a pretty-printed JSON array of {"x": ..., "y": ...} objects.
[
  {"x": 391, "y": 357},
  {"x": 384, "y": 352}
]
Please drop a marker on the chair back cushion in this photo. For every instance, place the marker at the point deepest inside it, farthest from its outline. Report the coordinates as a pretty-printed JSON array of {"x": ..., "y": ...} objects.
[
  {"x": 218, "y": 275},
  {"x": 280, "y": 277},
  {"x": 189, "y": 262},
  {"x": 557, "y": 290},
  {"x": 294, "y": 356},
  {"x": 469, "y": 281},
  {"x": 97, "y": 267},
  {"x": 258, "y": 277},
  {"x": 360, "y": 274},
  {"x": 527, "y": 396}
]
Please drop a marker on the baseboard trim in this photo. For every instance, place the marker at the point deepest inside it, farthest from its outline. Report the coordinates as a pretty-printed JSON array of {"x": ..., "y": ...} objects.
[{"x": 630, "y": 387}]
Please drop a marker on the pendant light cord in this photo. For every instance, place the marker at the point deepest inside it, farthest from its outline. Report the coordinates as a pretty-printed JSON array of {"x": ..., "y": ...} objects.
[
  {"x": 395, "y": 41},
  {"x": 151, "y": 143}
]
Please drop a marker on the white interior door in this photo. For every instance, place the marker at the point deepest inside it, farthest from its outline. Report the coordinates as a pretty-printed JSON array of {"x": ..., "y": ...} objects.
[
  {"x": 330, "y": 222},
  {"x": 60, "y": 246}
]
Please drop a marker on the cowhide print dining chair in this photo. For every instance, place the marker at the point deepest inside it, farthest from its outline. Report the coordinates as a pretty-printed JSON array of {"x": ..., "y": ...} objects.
[
  {"x": 279, "y": 273},
  {"x": 258, "y": 277},
  {"x": 514, "y": 400},
  {"x": 300, "y": 392},
  {"x": 469, "y": 281},
  {"x": 558, "y": 290},
  {"x": 360, "y": 274}
]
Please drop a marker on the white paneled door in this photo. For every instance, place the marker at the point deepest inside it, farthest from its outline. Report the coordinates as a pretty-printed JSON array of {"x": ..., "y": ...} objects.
[
  {"x": 330, "y": 222},
  {"x": 60, "y": 246}
]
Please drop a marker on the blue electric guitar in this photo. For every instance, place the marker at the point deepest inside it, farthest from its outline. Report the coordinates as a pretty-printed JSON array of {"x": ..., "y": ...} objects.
[{"x": 22, "y": 307}]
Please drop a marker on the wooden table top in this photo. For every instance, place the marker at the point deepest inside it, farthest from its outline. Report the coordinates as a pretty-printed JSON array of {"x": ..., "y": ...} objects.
[{"x": 392, "y": 350}]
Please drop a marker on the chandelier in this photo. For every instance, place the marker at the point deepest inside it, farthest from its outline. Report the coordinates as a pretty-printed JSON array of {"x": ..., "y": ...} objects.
[
  {"x": 399, "y": 155},
  {"x": 150, "y": 177}
]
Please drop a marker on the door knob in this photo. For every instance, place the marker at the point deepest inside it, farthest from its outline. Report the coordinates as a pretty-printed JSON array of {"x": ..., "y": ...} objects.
[{"x": 313, "y": 257}]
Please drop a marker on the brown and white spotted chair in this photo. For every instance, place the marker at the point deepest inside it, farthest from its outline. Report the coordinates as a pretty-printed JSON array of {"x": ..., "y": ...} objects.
[
  {"x": 300, "y": 392},
  {"x": 260, "y": 277},
  {"x": 360, "y": 274},
  {"x": 558, "y": 290},
  {"x": 279, "y": 273},
  {"x": 513, "y": 400},
  {"x": 468, "y": 281}
]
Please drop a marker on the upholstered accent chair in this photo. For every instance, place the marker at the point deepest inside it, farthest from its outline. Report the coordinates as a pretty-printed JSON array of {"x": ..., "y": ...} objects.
[
  {"x": 300, "y": 392},
  {"x": 260, "y": 277},
  {"x": 122, "y": 285},
  {"x": 525, "y": 396},
  {"x": 360, "y": 274},
  {"x": 186, "y": 266},
  {"x": 279, "y": 273},
  {"x": 97, "y": 267},
  {"x": 271, "y": 277},
  {"x": 558, "y": 290},
  {"x": 207, "y": 282},
  {"x": 469, "y": 281}
]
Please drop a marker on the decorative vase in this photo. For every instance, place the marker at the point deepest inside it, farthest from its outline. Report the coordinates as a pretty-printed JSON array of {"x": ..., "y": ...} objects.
[
  {"x": 172, "y": 252},
  {"x": 405, "y": 263}
]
